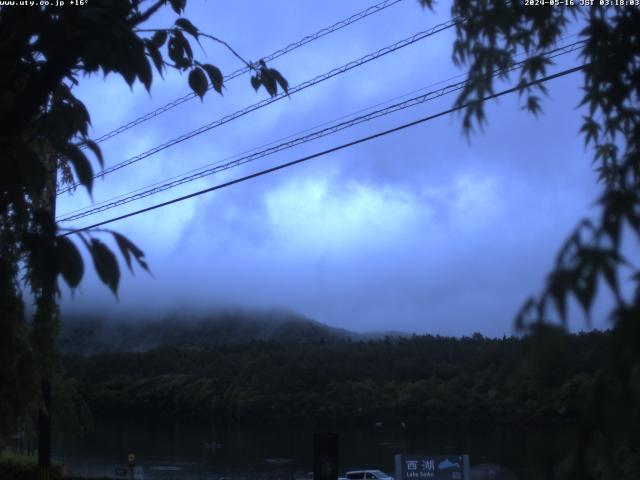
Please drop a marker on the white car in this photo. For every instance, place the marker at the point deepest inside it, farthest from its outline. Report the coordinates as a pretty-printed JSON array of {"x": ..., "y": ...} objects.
[{"x": 367, "y": 475}]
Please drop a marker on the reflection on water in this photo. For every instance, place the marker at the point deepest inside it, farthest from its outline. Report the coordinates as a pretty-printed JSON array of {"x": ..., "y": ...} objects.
[{"x": 190, "y": 450}]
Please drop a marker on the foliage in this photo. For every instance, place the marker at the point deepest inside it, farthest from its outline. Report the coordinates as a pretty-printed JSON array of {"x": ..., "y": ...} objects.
[
  {"x": 487, "y": 41},
  {"x": 477, "y": 380},
  {"x": 44, "y": 139},
  {"x": 71, "y": 416},
  {"x": 23, "y": 467}
]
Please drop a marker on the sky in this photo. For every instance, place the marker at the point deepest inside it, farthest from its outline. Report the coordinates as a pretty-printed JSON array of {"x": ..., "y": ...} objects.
[{"x": 423, "y": 231}]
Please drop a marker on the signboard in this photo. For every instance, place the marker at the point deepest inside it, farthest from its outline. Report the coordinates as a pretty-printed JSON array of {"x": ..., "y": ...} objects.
[
  {"x": 132, "y": 459},
  {"x": 432, "y": 467}
]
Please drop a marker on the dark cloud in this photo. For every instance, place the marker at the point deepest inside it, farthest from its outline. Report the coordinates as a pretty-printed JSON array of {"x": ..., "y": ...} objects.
[{"x": 420, "y": 231}]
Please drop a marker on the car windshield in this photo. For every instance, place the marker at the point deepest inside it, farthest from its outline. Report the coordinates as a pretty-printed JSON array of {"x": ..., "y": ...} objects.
[{"x": 379, "y": 474}]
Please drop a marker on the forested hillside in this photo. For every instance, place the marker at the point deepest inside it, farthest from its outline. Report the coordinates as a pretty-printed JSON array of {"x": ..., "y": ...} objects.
[
  {"x": 87, "y": 335},
  {"x": 437, "y": 378}
]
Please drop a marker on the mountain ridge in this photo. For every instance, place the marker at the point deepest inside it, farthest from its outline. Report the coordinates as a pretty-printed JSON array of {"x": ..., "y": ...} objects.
[{"x": 90, "y": 334}]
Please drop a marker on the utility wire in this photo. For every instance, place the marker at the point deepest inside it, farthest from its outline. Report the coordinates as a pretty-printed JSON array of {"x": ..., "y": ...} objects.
[
  {"x": 263, "y": 153},
  {"x": 265, "y": 145},
  {"x": 257, "y": 148},
  {"x": 267, "y": 101},
  {"x": 330, "y": 150},
  {"x": 272, "y": 56},
  {"x": 548, "y": 55},
  {"x": 218, "y": 167}
]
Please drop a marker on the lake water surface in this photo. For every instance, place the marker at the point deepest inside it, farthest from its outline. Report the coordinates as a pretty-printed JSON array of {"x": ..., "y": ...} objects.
[{"x": 167, "y": 449}]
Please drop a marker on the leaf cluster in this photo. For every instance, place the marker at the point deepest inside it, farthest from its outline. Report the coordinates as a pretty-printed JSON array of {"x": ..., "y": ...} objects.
[
  {"x": 488, "y": 37},
  {"x": 180, "y": 52},
  {"x": 270, "y": 78}
]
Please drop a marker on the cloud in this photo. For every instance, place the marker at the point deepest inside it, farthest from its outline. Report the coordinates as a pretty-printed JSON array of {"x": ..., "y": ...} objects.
[
  {"x": 421, "y": 230},
  {"x": 316, "y": 213}
]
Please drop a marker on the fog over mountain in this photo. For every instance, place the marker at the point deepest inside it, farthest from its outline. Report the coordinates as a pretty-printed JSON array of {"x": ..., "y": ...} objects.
[
  {"x": 91, "y": 333},
  {"x": 423, "y": 231}
]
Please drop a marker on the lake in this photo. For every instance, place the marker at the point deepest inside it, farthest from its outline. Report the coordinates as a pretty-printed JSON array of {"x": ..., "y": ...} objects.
[{"x": 172, "y": 450}]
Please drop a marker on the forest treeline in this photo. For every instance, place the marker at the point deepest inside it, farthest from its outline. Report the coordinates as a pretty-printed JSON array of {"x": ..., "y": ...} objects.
[
  {"x": 470, "y": 379},
  {"x": 87, "y": 335}
]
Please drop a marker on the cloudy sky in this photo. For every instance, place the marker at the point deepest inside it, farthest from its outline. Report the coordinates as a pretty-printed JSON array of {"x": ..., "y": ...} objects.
[{"x": 421, "y": 231}]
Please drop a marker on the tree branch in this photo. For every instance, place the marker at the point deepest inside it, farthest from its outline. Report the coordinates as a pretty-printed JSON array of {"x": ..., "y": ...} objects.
[
  {"x": 143, "y": 17},
  {"x": 236, "y": 54},
  {"x": 247, "y": 63}
]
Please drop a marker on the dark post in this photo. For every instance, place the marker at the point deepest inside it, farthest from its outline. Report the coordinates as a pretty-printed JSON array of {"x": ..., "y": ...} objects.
[
  {"x": 325, "y": 456},
  {"x": 45, "y": 327},
  {"x": 44, "y": 432}
]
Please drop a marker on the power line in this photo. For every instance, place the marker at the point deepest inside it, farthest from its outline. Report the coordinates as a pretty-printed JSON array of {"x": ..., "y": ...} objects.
[
  {"x": 549, "y": 55},
  {"x": 272, "y": 56},
  {"x": 219, "y": 166},
  {"x": 246, "y": 153},
  {"x": 257, "y": 148},
  {"x": 267, "y": 101},
  {"x": 263, "y": 153},
  {"x": 330, "y": 150}
]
